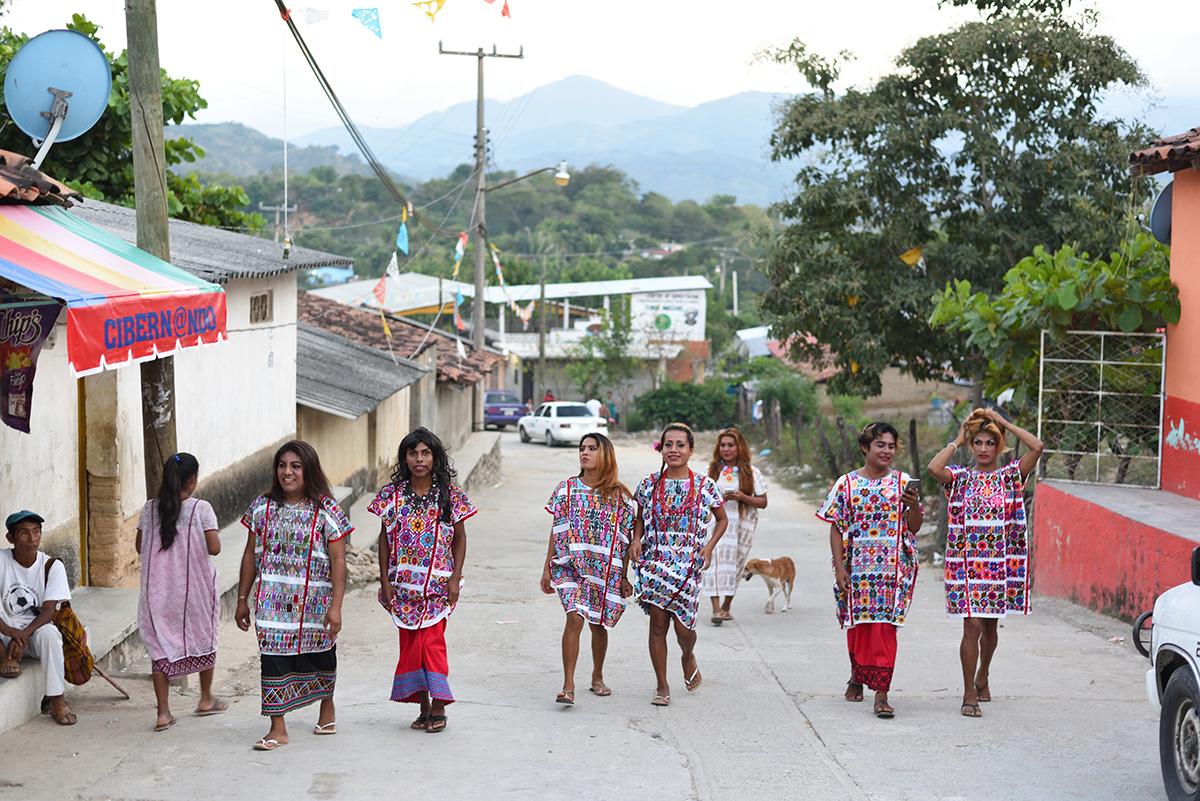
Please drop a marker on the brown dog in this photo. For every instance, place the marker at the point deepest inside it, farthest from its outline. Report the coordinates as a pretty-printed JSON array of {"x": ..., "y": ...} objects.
[{"x": 780, "y": 576}]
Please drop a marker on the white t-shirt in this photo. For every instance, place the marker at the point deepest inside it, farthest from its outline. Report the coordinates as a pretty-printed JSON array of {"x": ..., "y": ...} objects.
[{"x": 22, "y": 589}]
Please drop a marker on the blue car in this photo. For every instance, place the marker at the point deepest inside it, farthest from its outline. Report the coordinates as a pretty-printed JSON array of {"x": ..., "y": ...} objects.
[{"x": 501, "y": 408}]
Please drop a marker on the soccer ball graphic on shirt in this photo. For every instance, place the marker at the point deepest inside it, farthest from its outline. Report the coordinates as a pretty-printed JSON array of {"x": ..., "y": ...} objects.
[{"x": 20, "y": 599}]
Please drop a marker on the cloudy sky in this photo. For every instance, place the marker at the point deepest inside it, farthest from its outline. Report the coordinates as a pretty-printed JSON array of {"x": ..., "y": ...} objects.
[{"x": 679, "y": 51}]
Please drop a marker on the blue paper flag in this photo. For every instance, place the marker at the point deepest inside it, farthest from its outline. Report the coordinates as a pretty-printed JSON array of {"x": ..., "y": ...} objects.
[
  {"x": 369, "y": 17},
  {"x": 402, "y": 239}
]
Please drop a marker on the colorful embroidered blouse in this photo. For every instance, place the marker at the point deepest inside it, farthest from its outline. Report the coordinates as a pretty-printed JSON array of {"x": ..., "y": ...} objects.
[
  {"x": 881, "y": 553},
  {"x": 675, "y": 518},
  {"x": 420, "y": 559},
  {"x": 591, "y": 538},
  {"x": 987, "y": 551},
  {"x": 291, "y": 558}
]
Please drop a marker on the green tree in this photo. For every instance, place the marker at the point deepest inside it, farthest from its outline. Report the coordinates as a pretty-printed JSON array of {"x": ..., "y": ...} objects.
[
  {"x": 983, "y": 142},
  {"x": 601, "y": 361},
  {"x": 100, "y": 162}
]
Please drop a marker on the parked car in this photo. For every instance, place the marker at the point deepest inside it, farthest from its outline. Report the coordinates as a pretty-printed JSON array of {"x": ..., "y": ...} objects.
[
  {"x": 1173, "y": 682},
  {"x": 559, "y": 423},
  {"x": 501, "y": 409}
]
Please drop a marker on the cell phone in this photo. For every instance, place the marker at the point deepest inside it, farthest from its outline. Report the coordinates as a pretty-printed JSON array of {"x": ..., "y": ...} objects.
[{"x": 913, "y": 484}]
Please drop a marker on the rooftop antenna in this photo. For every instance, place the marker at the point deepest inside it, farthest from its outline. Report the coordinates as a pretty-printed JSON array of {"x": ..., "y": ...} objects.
[{"x": 56, "y": 88}]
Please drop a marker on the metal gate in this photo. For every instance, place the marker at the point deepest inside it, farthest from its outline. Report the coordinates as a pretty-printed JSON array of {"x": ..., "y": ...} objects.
[{"x": 1100, "y": 406}]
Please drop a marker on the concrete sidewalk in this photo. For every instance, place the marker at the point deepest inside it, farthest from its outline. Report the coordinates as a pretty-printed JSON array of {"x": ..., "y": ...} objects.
[{"x": 111, "y": 614}]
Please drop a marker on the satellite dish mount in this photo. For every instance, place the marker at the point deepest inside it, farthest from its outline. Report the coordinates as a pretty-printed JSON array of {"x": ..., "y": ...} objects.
[{"x": 56, "y": 115}]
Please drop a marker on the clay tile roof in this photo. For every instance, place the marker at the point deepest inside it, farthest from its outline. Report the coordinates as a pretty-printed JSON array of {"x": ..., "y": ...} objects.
[
  {"x": 409, "y": 340},
  {"x": 1169, "y": 153},
  {"x": 21, "y": 183}
]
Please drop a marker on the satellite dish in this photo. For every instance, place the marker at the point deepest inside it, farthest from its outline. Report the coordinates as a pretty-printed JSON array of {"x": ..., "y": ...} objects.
[
  {"x": 1160, "y": 215},
  {"x": 56, "y": 87}
]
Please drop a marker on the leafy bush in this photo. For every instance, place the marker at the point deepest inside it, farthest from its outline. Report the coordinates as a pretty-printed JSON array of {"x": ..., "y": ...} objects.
[
  {"x": 1058, "y": 292},
  {"x": 706, "y": 406},
  {"x": 796, "y": 395}
]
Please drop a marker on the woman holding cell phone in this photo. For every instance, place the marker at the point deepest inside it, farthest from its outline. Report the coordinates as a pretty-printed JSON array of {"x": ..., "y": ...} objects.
[{"x": 874, "y": 514}]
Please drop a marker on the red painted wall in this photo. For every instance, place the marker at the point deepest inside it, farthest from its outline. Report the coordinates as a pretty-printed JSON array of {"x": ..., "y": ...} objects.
[
  {"x": 1093, "y": 556},
  {"x": 1181, "y": 447}
]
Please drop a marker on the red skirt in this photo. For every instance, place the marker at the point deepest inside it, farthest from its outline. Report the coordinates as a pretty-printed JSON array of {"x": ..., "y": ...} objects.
[
  {"x": 422, "y": 667},
  {"x": 872, "y": 649}
]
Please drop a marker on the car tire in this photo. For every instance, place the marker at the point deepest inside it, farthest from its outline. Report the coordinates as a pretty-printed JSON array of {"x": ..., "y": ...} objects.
[
  {"x": 501, "y": 426},
  {"x": 1179, "y": 737},
  {"x": 522, "y": 433},
  {"x": 550, "y": 440}
]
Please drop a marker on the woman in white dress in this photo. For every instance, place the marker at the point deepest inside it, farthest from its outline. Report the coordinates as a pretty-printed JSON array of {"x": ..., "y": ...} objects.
[{"x": 745, "y": 492}]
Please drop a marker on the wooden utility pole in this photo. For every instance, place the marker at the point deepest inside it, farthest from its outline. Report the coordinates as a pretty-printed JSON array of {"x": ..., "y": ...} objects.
[
  {"x": 150, "y": 200},
  {"x": 478, "y": 307},
  {"x": 541, "y": 368}
]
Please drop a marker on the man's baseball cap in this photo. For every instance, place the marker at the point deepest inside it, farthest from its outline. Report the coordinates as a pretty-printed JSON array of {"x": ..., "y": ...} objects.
[{"x": 20, "y": 517}]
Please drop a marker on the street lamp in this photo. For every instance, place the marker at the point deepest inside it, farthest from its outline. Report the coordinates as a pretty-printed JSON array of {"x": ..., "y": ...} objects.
[{"x": 561, "y": 178}]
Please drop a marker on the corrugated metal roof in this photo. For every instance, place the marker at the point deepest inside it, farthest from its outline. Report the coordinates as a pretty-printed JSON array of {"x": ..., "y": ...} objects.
[
  {"x": 338, "y": 376},
  {"x": 419, "y": 291},
  {"x": 210, "y": 253}
]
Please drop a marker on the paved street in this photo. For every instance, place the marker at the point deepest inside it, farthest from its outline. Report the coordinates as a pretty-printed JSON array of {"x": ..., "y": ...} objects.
[{"x": 1070, "y": 720}]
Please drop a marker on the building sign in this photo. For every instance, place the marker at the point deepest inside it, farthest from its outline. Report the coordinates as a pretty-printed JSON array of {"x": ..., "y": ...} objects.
[
  {"x": 24, "y": 327},
  {"x": 670, "y": 316},
  {"x": 119, "y": 329}
]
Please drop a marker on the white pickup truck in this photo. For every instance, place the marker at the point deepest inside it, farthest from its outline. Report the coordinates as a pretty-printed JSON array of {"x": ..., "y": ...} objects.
[{"x": 1173, "y": 682}]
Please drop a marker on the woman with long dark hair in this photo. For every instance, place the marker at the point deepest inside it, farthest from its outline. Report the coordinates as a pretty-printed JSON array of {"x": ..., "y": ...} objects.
[
  {"x": 588, "y": 557},
  {"x": 874, "y": 514},
  {"x": 672, "y": 547},
  {"x": 296, "y": 548},
  {"x": 745, "y": 490},
  {"x": 987, "y": 551},
  {"x": 422, "y": 549},
  {"x": 178, "y": 610}
]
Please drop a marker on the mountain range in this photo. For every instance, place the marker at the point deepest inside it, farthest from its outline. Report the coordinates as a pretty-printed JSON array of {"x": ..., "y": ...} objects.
[{"x": 719, "y": 147}]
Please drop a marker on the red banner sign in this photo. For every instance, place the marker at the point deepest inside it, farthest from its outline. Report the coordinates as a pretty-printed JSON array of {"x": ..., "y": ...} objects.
[{"x": 119, "y": 329}]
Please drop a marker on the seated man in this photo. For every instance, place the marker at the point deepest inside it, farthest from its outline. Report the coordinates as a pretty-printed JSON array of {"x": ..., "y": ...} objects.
[{"x": 28, "y": 600}]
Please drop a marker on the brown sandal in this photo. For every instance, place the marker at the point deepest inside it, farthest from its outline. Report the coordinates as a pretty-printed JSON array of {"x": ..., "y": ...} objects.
[
  {"x": 421, "y": 723},
  {"x": 971, "y": 710},
  {"x": 565, "y": 697},
  {"x": 64, "y": 718},
  {"x": 984, "y": 693},
  {"x": 852, "y": 695},
  {"x": 10, "y": 669}
]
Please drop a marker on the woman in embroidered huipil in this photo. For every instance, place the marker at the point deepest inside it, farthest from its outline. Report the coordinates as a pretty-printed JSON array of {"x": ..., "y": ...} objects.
[
  {"x": 874, "y": 515},
  {"x": 745, "y": 491},
  {"x": 588, "y": 556},
  {"x": 422, "y": 549},
  {"x": 296, "y": 549},
  {"x": 672, "y": 547},
  {"x": 986, "y": 547}
]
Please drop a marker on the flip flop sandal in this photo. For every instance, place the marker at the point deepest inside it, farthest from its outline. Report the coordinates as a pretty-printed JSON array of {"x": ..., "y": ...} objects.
[
  {"x": 565, "y": 697},
  {"x": 884, "y": 711},
  {"x": 984, "y": 693},
  {"x": 717, "y": 620},
  {"x": 326, "y": 728},
  {"x": 267, "y": 744},
  {"x": 693, "y": 683},
  {"x": 217, "y": 708},
  {"x": 601, "y": 689},
  {"x": 10, "y": 670},
  {"x": 64, "y": 718},
  {"x": 420, "y": 724},
  {"x": 167, "y": 725},
  {"x": 858, "y": 696},
  {"x": 975, "y": 711},
  {"x": 434, "y": 728},
  {"x": 661, "y": 700}
]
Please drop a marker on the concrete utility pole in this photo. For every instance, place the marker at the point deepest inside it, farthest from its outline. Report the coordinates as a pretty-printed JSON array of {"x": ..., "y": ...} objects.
[
  {"x": 478, "y": 307},
  {"x": 150, "y": 199},
  {"x": 277, "y": 210}
]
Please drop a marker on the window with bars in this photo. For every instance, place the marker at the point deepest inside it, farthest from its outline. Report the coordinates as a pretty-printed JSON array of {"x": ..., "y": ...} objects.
[{"x": 262, "y": 307}]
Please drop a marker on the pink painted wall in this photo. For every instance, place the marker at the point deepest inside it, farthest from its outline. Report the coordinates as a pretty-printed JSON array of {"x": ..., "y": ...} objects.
[
  {"x": 1181, "y": 415},
  {"x": 1093, "y": 556}
]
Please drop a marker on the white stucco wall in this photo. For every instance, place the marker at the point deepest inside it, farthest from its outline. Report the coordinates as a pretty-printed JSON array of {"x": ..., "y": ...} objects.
[
  {"x": 39, "y": 470},
  {"x": 239, "y": 396}
]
